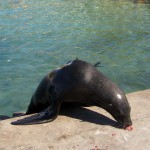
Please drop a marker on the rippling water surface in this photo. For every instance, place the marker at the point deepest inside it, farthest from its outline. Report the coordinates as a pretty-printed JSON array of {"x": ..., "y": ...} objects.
[{"x": 38, "y": 36}]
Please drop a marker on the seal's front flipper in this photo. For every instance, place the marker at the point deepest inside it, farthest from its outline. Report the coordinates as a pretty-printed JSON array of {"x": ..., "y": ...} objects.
[{"x": 42, "y": 117}]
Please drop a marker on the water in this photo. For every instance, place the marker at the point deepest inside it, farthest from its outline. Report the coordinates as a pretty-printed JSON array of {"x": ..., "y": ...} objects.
[{"x": 38, "y": 36}]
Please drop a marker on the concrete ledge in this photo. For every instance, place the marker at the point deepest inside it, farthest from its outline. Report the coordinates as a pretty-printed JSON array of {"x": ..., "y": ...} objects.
[{"x": 83, "y": 128}]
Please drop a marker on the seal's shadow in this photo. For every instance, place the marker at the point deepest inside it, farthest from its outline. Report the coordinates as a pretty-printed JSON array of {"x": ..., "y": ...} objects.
[
  {"x": 87, "y": 115},
  {"x": 82, "y": 114}
]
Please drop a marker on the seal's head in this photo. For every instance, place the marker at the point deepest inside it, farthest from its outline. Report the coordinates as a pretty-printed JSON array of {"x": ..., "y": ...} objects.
[
  {"x": 123, "y": 118},
  {"x": 120, "y": 110}
]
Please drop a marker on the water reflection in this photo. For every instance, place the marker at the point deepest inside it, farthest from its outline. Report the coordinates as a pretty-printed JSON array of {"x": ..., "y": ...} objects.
[
  {"x": 39, "y": 36},
  {"x": 142, "y": 1}
]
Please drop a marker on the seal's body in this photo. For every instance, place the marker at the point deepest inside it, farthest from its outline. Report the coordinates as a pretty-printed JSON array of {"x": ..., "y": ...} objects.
[{"x": 77, "y": 82}]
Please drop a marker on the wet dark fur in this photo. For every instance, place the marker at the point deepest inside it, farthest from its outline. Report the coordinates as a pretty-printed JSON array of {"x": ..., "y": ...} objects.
[{"x": 76, "y": 82}]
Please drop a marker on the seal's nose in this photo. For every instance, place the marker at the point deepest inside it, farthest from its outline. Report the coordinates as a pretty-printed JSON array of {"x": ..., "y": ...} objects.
[
  {"x": 127, "y": 124},
  {"x": 129, "y": 128}
]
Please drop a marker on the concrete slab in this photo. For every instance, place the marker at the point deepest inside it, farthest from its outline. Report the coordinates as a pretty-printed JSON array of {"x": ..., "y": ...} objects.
[{"x": 89, "y": 128}]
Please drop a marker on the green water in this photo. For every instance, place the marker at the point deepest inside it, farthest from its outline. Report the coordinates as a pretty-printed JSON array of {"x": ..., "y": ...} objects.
[{"x": 38, "y": 36}]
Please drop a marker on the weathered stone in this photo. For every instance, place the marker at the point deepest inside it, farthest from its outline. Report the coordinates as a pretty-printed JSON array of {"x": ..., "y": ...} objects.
[{"x": 87, "y": 128}]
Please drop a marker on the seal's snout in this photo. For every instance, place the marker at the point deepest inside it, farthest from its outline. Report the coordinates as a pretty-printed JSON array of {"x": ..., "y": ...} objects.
[
  {"x": 124, "y": 122},
  {"x": 129, "y": 128}
]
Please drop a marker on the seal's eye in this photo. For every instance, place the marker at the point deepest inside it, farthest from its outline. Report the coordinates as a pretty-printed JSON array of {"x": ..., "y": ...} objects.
[
  {"x": 110, "y": 105},
  {"x": 121, "y": 118}
]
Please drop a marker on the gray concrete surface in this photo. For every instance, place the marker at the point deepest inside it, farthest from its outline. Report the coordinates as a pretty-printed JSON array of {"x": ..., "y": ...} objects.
[{"x": 83, "y": 128}]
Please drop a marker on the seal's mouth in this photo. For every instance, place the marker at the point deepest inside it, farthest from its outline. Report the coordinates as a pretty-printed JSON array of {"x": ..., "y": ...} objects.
[
  {"x": 125, "y": 126},
  {"x": 129, "y": 128}
]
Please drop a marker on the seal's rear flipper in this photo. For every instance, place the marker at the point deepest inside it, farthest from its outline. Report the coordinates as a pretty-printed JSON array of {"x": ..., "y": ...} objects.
[
  {"x": 39, "y": 118},
  {"x": 3, "y": 117},
  {"x": 18, "y": 114}
]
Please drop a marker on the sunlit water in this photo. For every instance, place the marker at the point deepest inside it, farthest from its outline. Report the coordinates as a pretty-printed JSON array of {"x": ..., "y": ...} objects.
[{"x": 38, "y": 36}]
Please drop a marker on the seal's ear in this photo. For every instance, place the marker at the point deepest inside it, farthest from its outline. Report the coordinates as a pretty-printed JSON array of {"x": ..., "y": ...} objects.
[
  {"x": 97, "y": 64},
  {"x": 71, "y": 60}
]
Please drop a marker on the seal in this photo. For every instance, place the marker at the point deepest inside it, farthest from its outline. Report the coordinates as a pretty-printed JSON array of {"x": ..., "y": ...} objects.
[{"x": 76, "y": 82}]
